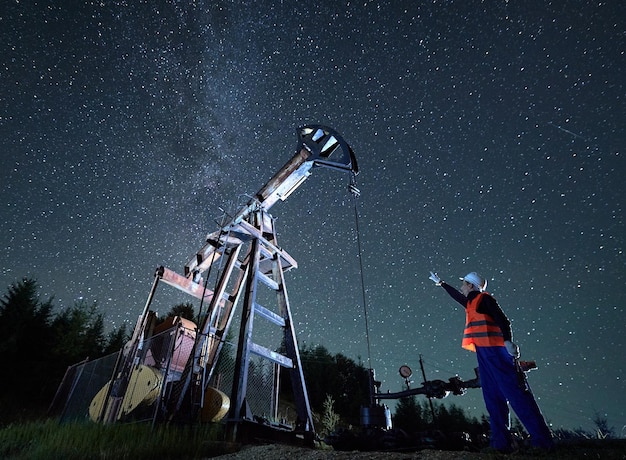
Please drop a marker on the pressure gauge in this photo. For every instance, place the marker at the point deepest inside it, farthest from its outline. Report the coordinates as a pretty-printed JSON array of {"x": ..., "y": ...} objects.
[{"x": 405, "y": 371}]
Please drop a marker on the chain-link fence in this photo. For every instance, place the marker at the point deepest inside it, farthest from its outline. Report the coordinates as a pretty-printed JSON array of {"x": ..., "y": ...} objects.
[
  {"x": 261, "y": 375},
  {"x": 80, "y": 385},
  {"x": 85, "y": 389}
]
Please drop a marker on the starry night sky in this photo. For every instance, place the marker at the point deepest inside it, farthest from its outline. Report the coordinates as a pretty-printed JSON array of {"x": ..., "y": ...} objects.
[{"x": 490, "y": 137}]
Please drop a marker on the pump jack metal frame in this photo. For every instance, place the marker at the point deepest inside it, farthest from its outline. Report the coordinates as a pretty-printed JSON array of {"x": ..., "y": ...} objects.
[{"x": 246, "y": 253}]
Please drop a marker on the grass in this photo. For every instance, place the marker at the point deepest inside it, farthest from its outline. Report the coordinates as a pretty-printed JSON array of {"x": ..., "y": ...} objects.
[{"x": 48, "y": 439}]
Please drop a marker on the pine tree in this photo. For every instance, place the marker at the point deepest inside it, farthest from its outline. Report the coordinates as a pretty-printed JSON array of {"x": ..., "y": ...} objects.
[
  {"x": 183, "y": 310},
  {"x": 24, "y": 323},
  {"x": 26, "y": 341},
  {"x": 78, "y": 333},
  {"x": 330, "y": 418},
  {"x": 409, "y": 415},
  {"x": 116, "y": 339}
]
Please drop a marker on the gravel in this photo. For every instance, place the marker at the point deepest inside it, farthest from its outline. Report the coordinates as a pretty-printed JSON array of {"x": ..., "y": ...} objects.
[{"x": 285, "y": 452}]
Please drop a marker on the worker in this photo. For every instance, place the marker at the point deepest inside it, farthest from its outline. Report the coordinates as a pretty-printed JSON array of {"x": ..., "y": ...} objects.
[{"x": 488, "y": 334}]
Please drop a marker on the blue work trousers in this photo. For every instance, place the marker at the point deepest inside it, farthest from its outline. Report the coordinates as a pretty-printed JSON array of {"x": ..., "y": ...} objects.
[{"x": 500, "y": 384}]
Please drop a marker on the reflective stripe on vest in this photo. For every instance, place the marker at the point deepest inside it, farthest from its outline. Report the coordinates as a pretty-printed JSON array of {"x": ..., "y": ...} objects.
[{"x": 480, "y": 329}]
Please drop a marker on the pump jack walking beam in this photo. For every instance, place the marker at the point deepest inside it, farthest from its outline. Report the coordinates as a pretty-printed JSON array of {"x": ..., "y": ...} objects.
[{"x": 316, "y": 145}]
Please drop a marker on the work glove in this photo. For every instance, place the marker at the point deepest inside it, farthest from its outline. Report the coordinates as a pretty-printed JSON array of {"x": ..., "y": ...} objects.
[
  {"x": 512, "y": 348},
  {"x": 435, "y": 278}
]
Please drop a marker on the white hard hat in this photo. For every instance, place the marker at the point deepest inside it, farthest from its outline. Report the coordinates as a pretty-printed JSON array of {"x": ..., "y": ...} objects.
[{"x": 478, "y": 281}]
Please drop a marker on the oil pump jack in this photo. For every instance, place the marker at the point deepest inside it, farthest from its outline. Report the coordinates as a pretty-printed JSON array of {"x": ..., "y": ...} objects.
[{"x": 246, "y": 253}]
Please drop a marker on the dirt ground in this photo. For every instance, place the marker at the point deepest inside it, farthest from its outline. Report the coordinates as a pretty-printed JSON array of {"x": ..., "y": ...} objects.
[
  {"x": 610, "y": 450},
  {"x": 282, "y": 452}
]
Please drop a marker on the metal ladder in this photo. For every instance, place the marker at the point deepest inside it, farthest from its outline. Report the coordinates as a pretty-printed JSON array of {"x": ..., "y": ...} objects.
[
  {"x": 266, "y": 266},
  {"x": 262, "y": 267}
]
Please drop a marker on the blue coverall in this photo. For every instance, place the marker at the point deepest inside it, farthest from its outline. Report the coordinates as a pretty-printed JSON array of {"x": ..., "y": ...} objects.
[{"x": 501, "y": 384}]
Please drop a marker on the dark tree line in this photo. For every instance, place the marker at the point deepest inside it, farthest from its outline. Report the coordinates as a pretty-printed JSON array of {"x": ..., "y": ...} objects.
[
  {"x": 414, "y": 414},
  {"x": 337, "y": 376},
  {"x": 37, "y": 344}
]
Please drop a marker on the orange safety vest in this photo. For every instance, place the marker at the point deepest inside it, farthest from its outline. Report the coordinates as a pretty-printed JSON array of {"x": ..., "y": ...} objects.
[{"x": 480, "y": 329}]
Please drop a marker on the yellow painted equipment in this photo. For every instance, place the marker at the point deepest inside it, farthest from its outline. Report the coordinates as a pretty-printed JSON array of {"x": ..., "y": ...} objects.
[
  {"x": 143, "y": 388},
  {"x": 216, "y": 405}
]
